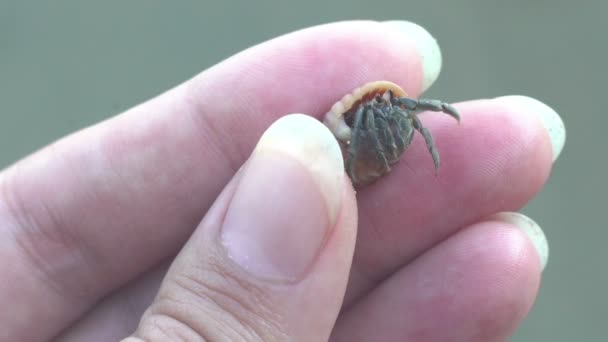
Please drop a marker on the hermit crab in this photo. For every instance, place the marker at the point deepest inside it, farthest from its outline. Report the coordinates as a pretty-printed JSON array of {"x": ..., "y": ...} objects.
[{"x": 375, "y": 124}]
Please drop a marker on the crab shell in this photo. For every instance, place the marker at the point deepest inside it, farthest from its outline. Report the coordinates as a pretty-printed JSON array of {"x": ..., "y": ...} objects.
[
  {"x": 366, "y": 169},
  {"x": 334, "y": 119}
]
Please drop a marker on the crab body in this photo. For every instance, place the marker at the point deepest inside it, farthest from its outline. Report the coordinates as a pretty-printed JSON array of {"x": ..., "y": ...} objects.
[{"x": 375, "y": 124}]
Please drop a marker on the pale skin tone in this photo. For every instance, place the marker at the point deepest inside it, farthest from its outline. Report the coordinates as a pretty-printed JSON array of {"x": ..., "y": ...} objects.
[{"x": 90, "y": 224}]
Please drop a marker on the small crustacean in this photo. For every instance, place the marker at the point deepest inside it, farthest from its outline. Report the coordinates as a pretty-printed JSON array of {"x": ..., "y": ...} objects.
[{"x": 375, "y": 124}]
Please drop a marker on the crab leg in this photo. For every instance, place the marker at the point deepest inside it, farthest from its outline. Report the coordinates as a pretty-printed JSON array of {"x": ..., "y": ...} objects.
[
  {"x": 370, "y": 127},
  {"x": 427, "y": 138},
  {"x": 426, "y": 104},
  {"x": 404, "y": 131},
  {"x": 382, "y": 122},
  {"x": 438, "y": 106}
]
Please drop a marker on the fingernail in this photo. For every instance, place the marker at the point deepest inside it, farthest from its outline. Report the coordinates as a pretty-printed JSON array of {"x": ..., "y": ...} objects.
[
  {"x": 533, "y": 230},
  {"x": 427, "y": 46},
  {"x": 551, "y": 120},
  {"x": 287, "y": 200}
]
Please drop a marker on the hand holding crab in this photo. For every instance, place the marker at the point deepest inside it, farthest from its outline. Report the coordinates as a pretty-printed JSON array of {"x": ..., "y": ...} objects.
[{"x": 153, "y": 234}]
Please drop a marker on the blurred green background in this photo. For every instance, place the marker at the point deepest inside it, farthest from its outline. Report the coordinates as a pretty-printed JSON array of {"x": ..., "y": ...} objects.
[{"x": 68, "y": 64}]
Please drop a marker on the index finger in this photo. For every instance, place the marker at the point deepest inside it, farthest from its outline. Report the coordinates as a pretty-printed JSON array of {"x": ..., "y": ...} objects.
[{"x": 90, "y": 212}]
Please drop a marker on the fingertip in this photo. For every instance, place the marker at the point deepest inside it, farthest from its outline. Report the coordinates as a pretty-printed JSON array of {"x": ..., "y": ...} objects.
[
  {"x": 532, "y": 230},
  {"x": 311, "y": 143},
  {"x": 428, "y": 49},
  {"x": 551, "y": 120},
  {"x": 287, "y": 201}
]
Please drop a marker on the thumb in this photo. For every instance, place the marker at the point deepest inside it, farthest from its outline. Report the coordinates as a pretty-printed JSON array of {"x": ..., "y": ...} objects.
[{"x": 270, "y": 261}]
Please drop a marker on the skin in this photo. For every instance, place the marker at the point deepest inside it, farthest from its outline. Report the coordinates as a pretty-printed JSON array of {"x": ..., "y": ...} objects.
[{"x": 87, "y": 260}]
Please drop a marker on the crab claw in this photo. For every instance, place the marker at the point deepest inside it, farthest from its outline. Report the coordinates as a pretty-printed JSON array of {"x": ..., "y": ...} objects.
[{"x": 451, "y": 111}]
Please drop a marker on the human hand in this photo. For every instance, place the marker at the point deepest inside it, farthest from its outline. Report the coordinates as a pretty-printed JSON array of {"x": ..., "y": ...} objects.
[{"x": 91, "y": 224}]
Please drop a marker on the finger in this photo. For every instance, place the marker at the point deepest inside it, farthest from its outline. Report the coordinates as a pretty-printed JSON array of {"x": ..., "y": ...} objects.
[
  {"x": 476, "y": 286},
  {"x": 281, "y": 234},
  {"x": 496, "y": 160},
  {"x": 117, "y": 315},
  {"x": 88, "y": 213}
]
